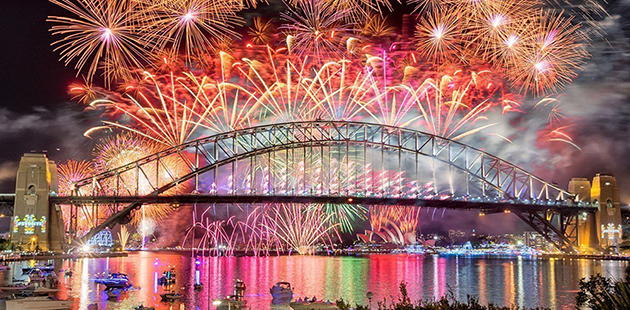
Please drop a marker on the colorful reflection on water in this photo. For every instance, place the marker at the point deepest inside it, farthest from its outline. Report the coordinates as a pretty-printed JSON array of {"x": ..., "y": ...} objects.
[{"x": 522, "y": 282}]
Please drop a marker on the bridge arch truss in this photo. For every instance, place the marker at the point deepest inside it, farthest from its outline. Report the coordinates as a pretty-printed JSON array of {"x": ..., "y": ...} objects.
[{"x": 243, "y": 166}]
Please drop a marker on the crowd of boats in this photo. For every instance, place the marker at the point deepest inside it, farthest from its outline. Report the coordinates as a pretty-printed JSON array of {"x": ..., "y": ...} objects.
[
  {"x": 34, "y": 288},
  {"x": 467, "y": 250},
  {"x": 282, "y": 293},
  {"x": 37, "y": 286}
]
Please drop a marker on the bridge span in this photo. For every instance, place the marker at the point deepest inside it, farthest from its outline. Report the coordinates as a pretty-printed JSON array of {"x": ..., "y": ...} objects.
[{"x": 335, "y": 162}]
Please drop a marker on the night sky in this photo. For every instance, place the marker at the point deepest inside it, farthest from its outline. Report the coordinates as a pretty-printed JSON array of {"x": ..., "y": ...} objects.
[{"x": 37, "y": 115}]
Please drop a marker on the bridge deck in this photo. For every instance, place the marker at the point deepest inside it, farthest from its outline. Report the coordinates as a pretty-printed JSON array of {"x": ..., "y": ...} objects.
[{"x": 488, "y": 206}]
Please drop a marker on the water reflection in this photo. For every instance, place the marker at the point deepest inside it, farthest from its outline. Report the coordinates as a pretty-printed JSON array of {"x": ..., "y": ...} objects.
[{"x": 521, "y": 282}]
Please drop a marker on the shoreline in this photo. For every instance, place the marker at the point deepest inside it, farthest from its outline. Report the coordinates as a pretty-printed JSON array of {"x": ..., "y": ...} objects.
[
  {"x": 273, "y": 253},
  {"x": 64, "y": 256}
]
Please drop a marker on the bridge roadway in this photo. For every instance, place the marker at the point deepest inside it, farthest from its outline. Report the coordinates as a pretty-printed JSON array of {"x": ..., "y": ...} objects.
[
  {"x": 488, "y": 206},
  {"x": 458, "y": 204}
]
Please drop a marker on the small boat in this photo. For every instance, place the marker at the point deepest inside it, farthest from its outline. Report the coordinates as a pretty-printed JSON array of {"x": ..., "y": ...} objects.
[
  {"x": 45, "y": 268},
  {"x": 171, "y": 296},
  {"x": 16, "y": 287},
  {"x": 198, "y": 286},
  {"x": 41, "y": 291},
  {"x": 39, "y": 303},
  {"x": 168, "y": 277},
  {"x": 228, "y": 304},
  {"x": 235, "y": 301},
  {"x": 113, "y": 293},
  {"x": 142, "y": 307},
  {"x": 37, "y": 275},
  {"x": 317, "y": 305},
  {"x": 281, "y": 293},
  {"x": 115, "y": 280}
]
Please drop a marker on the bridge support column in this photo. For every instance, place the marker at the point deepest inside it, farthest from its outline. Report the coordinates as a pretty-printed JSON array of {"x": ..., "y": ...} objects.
[
  {"x": 587, "y": 226},
  {"x": 605, "y": 195},
  {"x": 602, "y": 229},
  {"x": 35, "y": 225}
]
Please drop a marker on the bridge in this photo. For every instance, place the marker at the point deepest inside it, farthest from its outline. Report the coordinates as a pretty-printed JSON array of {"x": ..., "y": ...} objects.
[{"x": 338, "y": 162}]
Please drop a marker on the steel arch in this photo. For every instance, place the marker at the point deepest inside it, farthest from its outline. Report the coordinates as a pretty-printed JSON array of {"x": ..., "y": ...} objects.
[
  {"x": 507, "y": 179},
  {"x": 200, "y": 156}
]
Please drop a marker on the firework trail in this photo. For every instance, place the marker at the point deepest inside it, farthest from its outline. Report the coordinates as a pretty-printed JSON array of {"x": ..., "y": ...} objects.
[
  {"x": 396, "y": 224},
  {"x": 301, "y": 227},
  {"x": 68, "y": 173},
  {"x": 125, "y": 148}
]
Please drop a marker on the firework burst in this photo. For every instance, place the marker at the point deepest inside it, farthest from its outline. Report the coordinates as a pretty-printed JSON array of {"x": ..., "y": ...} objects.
[
  {"x": 316, "y": 29},
  {"x": 191, "y": 26},
  {"x": 100, "y": 33}
]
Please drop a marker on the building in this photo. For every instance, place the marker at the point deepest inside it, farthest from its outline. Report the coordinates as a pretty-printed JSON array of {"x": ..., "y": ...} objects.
[
  {"x": 35, "y": 226},
  {"x": 602, "y": 229},
  {"x": 605, "y": 195}
]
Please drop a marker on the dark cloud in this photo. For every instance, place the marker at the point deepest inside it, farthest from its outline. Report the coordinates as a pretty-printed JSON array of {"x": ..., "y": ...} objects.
[{"x": 58, "y": 132}]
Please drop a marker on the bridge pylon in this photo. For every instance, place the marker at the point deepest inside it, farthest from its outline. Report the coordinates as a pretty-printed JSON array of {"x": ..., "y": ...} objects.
[
  {"x": 601, "y": 229},
  {"x": 36, "y": 224}
]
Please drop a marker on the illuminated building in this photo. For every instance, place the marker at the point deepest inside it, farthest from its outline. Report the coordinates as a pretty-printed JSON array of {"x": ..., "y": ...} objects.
[
  {"x": 605, "y": 195},
  {"x": 603, "y": 228},
  {"x": 33, "y": 226}
]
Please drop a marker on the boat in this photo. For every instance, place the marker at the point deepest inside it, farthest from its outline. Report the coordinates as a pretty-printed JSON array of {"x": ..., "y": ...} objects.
[
  {"x": 281, "y": 293},
  {"x": 142, "y": 307},
  {"x": 37, "y": 275},
  {"x": 38, "y": 303},
  {"x": 227, "y": 304},
  {"x": 114, "y": 293},
  {"x": 168, "y": 277},
  {"x": 235, "y": 301},
  {"x": 115, "y": 280},
  {"x": 45, "y": 268},
  {"x": 316, "y": 305},
  {"x": 16, "y": 287},
  {"x": 171, "y": 296},
  {"x": 39, "y": 291},
  {"x": 198, "y": 286}
]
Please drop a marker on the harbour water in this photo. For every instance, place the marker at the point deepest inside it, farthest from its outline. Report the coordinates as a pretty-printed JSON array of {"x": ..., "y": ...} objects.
[{"x": 517, "y": 281}]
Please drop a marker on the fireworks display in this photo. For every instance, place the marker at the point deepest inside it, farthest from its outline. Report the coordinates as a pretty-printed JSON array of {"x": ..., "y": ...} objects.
[{"x": 178, "y": 70}]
